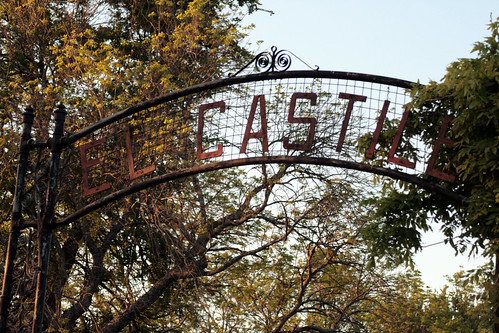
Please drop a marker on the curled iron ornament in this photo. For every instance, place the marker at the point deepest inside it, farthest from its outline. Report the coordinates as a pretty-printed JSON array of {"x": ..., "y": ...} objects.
[{"x": 273, "y": 61}]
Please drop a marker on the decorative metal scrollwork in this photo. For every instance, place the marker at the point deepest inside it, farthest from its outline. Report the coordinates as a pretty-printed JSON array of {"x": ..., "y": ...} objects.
[{"x": 273, "y": 61}]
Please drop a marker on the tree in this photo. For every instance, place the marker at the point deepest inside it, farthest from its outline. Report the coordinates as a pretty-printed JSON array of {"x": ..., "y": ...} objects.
[
  {"x": 99, "y": 57},
  {"x": 136, "y": 265},
  {"x": 467, "y": 99},
  {"x": 315, "y": 281},
  {"x": 148, "y": 262},
  {"x": 407, "y": 306}
]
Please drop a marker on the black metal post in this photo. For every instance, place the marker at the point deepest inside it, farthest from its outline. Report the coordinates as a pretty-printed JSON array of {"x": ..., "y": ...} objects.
[
  {"x": 45, "y": 226},
  {"x": 16, "y": 221},
  {"x": 495, "y": 290}
]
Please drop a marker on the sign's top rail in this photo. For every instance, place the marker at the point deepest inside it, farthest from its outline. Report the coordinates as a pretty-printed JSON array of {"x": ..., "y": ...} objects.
[
  {"x": 339, "y": 119},
  {"x": 225, "y": 82}
]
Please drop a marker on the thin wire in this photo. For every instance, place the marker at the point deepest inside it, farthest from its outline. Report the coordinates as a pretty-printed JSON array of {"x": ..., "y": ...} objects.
[{"x": 433, "y": 244}]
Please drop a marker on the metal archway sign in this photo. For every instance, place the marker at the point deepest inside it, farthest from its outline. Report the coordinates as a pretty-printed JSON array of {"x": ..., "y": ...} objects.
[
  {"x": 277, "y": 116},
  {"x": 311, "y": 117}
]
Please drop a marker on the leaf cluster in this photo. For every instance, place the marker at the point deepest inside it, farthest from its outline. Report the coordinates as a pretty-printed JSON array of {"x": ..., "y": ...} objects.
[{"x": 469, "y": 92}]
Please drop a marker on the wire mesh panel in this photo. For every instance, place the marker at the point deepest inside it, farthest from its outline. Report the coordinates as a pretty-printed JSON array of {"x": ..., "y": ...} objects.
[{"x": 327, "y": 115}]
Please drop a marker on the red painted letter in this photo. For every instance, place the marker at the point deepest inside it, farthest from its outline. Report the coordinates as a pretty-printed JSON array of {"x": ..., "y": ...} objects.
[
  {"x": 441, "y": 140},
  {"x": 199, "y": 136},
  {"x": 86, "y": 164},
  {"x": 351, "y": 99},
  {"x": 301, "y": 120},
  {"x": 396, "y": 142},
  {"x": 379, "y": 126},
  {"x": 131, "y": 165},
  {"x": 263, "y": 120}
]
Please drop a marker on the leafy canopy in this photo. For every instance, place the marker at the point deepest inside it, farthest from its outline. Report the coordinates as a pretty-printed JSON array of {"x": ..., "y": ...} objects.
[{"x": 469, "y": 93}]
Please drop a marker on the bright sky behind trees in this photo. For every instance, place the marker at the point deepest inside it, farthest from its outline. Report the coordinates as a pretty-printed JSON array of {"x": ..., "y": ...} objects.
[{"x": 411, "y": 40}]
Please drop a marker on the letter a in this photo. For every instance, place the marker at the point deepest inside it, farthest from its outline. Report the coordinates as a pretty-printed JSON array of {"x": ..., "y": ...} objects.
[{"x": 262, "y": 134}]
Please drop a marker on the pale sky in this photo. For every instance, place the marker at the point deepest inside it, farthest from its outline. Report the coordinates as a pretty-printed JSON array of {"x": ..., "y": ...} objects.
[{"x": 411, "y": 40}]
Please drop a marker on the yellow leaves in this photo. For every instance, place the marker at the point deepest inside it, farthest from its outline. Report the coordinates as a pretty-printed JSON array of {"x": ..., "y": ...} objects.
[
  {"x": 102, "y": 71},
  {"x": 157, "y": 40},
  {"x": 165, "y": 3},
  {"x": 77, "y": 52}
]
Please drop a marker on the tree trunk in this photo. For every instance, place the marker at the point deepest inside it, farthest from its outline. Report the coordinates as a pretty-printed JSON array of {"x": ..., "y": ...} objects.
[{"x": 495, "y": 296}]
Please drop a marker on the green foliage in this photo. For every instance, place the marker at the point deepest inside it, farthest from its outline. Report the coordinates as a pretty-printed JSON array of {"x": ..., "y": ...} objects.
[
  {"x": 470, "y": 93},
  {"x": 407, "y": 306},
  {"x": 267, "y": 248}
]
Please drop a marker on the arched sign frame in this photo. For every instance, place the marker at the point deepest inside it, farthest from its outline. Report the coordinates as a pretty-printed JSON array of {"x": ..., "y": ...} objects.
[
  {"x": 209, "y": 156},
  {"x": 265, "y": 158}
]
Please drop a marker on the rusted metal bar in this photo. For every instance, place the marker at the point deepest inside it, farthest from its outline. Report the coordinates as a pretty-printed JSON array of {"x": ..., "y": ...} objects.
[
  {"x": 261, "y": 160},
  {"x": 45, "y": 229},
  {"x": 16, "y": 221},
  {"x": 235, "y": 80}
]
